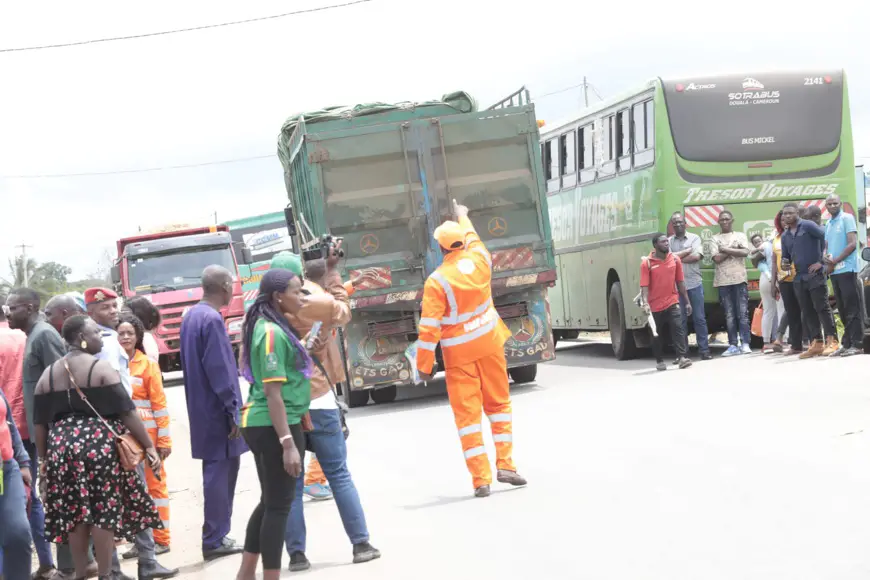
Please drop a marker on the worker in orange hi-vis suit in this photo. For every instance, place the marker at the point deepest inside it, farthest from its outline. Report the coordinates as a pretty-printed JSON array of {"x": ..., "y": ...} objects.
[
  {"x": 458, "y": 311},
  {"x": 150, "y": 402}
]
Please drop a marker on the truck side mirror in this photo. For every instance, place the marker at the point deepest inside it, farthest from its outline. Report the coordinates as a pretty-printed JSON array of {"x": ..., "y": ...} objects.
[
  {"x": 865, "y": 254},
  {"x": 115, "y": 273},
  {"x": 247, "y": 256}
]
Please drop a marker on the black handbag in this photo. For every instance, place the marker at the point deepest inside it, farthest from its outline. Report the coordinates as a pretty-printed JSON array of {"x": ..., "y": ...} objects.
[{"x": 342, "y": 408}]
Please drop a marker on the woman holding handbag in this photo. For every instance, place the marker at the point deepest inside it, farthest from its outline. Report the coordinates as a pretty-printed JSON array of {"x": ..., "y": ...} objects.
[{"x": 91, "y": 439}]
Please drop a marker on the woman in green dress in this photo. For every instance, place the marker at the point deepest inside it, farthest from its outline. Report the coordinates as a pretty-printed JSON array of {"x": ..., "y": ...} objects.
[{"x": 278, "y": 367}]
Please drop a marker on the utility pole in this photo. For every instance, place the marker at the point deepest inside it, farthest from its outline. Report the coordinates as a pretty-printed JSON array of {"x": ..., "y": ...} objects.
[
  {"x": 24, "y": 247},
  {"x": 585, "y": 92}
]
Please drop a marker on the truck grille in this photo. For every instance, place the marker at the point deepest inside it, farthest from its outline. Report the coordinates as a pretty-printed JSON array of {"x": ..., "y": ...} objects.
[{"x": 170, "y": 325}]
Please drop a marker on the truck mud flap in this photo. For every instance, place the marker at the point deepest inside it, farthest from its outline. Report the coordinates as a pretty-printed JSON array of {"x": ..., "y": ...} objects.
[{"x": 527, "y": 315}]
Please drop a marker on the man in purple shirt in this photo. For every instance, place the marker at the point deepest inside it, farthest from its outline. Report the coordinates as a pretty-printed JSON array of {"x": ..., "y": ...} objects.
[{"x": 214, "y": 402}]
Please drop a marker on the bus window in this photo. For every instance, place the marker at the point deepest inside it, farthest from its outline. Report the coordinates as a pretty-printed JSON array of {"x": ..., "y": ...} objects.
[
  {"x": 553, "y": 182},
  {"x": 587, "y": 154},
  {"x": 545, "y": 161},
  {"x": 567, "y": 144},
  {"x": 622, "y": 145},
  {"x": 608, "y": 162},
  {"x": 642, "y": 133}
]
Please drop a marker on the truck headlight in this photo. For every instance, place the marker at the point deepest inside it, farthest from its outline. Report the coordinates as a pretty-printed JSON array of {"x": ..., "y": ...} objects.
[{"x": 234, "y": 326}]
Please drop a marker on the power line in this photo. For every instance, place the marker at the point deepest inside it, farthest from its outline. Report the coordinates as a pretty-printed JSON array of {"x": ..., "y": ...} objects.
[
  {"x": 179, "y": 30},
  {"x": 143, "y": 170}
]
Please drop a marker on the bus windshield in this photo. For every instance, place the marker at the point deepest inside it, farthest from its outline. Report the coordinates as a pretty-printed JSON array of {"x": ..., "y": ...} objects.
[
  {"x": 150, "y": 274},
  {"x": 760, "y": 118}
]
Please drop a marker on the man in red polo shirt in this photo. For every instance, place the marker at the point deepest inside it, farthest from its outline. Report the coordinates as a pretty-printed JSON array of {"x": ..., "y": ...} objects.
[{"x": 661, "y": 276}]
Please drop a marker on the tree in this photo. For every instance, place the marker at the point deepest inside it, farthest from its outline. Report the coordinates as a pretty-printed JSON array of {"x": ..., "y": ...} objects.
[{"x": 47, "y": 279}]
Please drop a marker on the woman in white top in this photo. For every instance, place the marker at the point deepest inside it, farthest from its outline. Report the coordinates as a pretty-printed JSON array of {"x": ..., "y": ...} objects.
[{"x": 150, "y": 317}]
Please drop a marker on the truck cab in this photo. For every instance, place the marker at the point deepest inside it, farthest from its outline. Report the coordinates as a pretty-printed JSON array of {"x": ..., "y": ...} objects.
[{"x": 165, "y": 266}]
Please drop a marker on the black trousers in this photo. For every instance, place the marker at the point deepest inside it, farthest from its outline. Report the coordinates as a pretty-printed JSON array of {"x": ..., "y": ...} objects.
[
  {"x": 792, "y": 314},
  {"x": 812, "y": 294},
  {"x": 266, "y": 526},
  {"x": 673, "y": 318},
  {"x": 849, "y": 306}
]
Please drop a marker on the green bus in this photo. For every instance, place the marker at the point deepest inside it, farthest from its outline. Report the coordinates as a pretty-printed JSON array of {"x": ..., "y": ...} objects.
[{"x": 617, "y": 172}]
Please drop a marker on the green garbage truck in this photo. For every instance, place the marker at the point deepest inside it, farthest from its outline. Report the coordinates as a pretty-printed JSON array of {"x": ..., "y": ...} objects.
[{"x": 381, "y": 177}]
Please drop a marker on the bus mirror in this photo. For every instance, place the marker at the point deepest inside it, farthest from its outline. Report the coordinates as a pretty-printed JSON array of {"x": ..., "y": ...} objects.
[
  {"x": 115, "y": 273},
  {"x": 865, "y": 254}
]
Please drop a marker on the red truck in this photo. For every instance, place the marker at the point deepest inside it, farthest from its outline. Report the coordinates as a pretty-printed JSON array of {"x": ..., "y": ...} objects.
[{"x": 165, "y": 265}]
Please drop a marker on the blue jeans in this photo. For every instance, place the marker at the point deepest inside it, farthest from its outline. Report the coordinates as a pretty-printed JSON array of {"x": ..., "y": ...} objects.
[
  {"x": 327, "y": 442},
  {"x": 14, "y": 527},
  {"x": 734, "y": 299},
  {"x": 699, "y": 318},
  {"x": 37, "y": 513}
]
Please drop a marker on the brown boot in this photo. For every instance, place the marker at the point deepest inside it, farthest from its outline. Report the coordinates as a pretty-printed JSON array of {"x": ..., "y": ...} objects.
[
  {"x": 831, "y": 346},
  {"x": 816, "y": 348},
  {"x": 511, "y": 477}
]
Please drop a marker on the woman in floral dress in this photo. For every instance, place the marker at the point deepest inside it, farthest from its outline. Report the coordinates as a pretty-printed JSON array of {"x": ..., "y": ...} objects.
[{"x": 85, "y": 490}]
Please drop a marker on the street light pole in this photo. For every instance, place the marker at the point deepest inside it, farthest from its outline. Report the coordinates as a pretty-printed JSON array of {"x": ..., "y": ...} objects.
[{"x": 24, "y": 247}]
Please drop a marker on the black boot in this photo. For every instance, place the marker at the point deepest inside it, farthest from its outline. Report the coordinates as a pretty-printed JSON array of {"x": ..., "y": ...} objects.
[{"x": 153, "y": 570}]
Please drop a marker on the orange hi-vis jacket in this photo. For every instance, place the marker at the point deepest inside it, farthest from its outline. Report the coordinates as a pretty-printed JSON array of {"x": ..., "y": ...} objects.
[
  {"x": 150, "y": 402},
  {"x": 150, "y": 399},
  {"x": 458, "y": 310}
]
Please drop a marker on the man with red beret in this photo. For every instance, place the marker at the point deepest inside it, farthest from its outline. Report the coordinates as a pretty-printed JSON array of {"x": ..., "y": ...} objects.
[{"x": 102, "y": 305}]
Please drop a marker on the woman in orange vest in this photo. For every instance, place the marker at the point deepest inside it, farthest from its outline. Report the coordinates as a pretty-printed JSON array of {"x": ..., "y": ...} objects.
[
  {"x": 458, "y": 312},
  {"x": 150, "y": 402}
]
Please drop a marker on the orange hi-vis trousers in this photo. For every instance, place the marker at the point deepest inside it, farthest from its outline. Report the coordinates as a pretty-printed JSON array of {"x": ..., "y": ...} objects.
[
  {"x": 159, "y": 492},
  {"x": 476, "y": 388},
  {"x": 314, "y": 473}
]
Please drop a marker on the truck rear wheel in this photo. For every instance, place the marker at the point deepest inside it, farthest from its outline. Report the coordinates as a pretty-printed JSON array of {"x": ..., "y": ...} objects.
[
  {"x": 522, "y": 375},
  {"x": 621, "y": 337},
  {"x": 384, "y": 395}
]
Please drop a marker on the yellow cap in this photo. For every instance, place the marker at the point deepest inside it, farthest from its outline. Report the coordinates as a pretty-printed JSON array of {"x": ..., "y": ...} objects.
[{"x": 448, "y": 234}]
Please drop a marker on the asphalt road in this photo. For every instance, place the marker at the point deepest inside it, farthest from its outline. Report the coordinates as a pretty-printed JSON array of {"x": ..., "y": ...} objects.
[{"x": 756, "y": 467}]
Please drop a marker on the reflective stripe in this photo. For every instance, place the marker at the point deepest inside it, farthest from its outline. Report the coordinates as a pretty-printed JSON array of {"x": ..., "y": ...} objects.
[
  {"x": 142, "y": 404},
  {"x": 475, "y": 451},
  {"x": 469, "y": 430},
  {"x": 476, "y": 312},
  {"x": 430, "y": 322},
  {"x": 161, "y": 413},
  {"x": 451, "y": 298},
  {"x": 426, "y": 345},
  {"x": 483, "y": 253},
  {"x": 150, "y": 424},
  {"x": 503, "y": 438},
  {"x": 163, "y": 432},
  {"x": 500, "y": 418},
  {"x": 485, "y": 329},
  {"x": 161, "y": 502}
]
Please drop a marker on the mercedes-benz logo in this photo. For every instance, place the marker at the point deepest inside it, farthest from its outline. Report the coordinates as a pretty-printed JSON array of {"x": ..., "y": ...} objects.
[
  {"x": 369, "y": 244},
  {"x": 497, "y": 227}
]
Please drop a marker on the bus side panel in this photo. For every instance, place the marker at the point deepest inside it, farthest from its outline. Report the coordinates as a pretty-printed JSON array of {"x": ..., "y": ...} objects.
[
  {"x": 559, "y": 313},
  {"x": 634, "y": 316}
]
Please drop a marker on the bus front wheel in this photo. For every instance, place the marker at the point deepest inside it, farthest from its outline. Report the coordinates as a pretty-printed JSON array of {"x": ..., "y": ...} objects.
[{"x": 621, "y": 337}]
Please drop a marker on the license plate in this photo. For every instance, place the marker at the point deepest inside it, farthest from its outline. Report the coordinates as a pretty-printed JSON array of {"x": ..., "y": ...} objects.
[{"x": 753, "y": 285}]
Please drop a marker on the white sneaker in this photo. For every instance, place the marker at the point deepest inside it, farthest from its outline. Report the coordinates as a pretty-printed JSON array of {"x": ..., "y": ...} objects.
[{"x": 744, "y": 349}]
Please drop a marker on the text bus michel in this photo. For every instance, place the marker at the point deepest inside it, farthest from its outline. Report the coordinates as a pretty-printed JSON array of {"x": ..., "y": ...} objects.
[{"x": 618, "y": 171}]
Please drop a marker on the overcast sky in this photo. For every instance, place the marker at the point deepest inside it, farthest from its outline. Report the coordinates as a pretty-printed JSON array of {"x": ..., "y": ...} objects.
[{"x": 222, "y": 94}]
